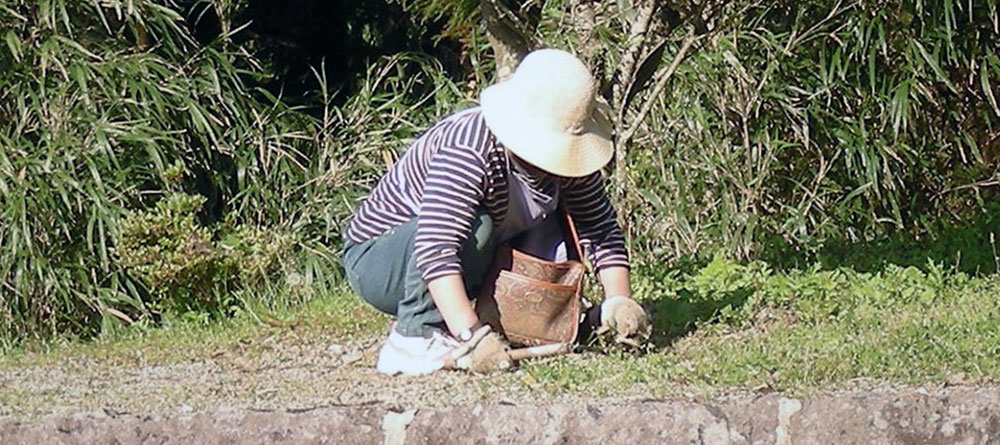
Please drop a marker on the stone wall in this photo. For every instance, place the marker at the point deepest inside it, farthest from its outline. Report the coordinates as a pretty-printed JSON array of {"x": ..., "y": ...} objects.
[{"x": 911, "y": 416}]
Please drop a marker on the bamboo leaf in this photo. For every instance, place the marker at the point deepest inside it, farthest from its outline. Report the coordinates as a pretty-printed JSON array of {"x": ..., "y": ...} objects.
[
  {"x": 984, "y": 77},
  {"x": 933, "y": 63},
  {"x": 14, "y": 44}
]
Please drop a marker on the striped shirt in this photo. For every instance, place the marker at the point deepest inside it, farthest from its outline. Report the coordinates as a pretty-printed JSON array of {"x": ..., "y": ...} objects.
[{"x": 456, "y": 169}]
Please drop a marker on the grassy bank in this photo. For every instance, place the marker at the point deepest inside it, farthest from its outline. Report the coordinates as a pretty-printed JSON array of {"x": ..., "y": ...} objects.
[
  {"x": 721, "y": 327},
  {"x": 747, "y": 328}
]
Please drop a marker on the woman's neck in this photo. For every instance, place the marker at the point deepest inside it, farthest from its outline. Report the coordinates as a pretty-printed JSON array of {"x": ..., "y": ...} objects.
[{"x": 526, "y": 167}]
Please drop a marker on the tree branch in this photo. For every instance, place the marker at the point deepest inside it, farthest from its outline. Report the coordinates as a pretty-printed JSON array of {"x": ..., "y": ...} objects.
[
  {"x": 585, "y": 22},
  {"x": 636, "y": 42},
  {"x": 661, "y": 82}
]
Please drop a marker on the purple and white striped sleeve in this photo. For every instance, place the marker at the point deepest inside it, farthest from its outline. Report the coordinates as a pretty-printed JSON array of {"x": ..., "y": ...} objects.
[
  {"x": 452, "y": 193},
  {"x": 596, "y": 221}
]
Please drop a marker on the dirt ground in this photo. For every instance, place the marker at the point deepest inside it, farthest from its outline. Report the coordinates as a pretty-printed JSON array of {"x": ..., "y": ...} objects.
[
  {"x": 271, "y": 373},
  {"x": 315, "y": 389}
]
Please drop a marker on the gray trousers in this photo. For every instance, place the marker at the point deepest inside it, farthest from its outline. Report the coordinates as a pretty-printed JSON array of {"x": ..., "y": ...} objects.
[{"x": 383, "y": 270}]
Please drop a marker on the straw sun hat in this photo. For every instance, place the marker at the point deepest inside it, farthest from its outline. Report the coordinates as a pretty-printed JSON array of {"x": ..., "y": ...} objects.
[{"x": 546, "y": 115}]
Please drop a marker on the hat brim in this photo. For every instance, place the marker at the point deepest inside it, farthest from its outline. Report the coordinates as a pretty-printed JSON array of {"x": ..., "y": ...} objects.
[{"x": 533, "y": 139}]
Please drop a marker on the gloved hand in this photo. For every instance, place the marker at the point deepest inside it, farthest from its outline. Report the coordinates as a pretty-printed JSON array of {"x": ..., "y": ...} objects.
[
  {"x": 485, "y": 352},
  {"x": 626, "y": 318}
]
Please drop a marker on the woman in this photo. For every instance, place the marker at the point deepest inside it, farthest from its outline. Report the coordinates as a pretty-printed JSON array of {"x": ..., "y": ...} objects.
[{"x": 422, "y": 242}]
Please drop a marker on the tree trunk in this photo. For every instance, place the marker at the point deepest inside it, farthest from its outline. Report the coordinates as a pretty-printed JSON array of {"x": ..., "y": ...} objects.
[
  {"x": 584, "y": 16},
  {"x": 508, "y": 33}
]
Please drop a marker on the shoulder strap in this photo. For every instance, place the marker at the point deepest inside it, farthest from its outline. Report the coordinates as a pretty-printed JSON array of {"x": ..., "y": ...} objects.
[{"x": 572, "y": 233}]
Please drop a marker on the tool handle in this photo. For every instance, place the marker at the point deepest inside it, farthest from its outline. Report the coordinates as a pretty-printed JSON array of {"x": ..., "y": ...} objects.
[{"x": 539, "y": 351}]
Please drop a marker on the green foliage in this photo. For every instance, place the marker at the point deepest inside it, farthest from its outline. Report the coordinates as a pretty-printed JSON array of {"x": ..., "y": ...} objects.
[
  {"x": 461, "y": 16},
  {"x": 98, "y": 100},
  {"x": 838, "y": 132},
  {"x": 259, "y": 254},
  {"x": 293, "y": 38},
  {"x": 731, "y": 296},
  {"x": 107, "y": 107},
  {"x": 815, "y": 123},
  {"x": 969, "y": 247},
  {"x": 169, "y": 250},
  {"x": 747, "y": 326},
  {"x": 186, "y": 269}
]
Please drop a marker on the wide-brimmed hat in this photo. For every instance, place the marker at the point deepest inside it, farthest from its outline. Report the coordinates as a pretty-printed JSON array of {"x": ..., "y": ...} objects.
[{"x": 546, "y": 114}]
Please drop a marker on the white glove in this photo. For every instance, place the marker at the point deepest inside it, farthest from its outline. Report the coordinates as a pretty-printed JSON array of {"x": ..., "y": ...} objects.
[{"x": 626, "y": 318}]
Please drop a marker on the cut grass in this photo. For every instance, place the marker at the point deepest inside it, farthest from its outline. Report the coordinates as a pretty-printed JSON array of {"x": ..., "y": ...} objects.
[{"x": 723, "y": 328}]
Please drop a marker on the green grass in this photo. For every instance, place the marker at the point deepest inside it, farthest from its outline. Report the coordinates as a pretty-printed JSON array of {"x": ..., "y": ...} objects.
[
  {"x": 720, "y": 328},
  {"x": 338, "y": 314},
  {"x": 748, "y": 328}
]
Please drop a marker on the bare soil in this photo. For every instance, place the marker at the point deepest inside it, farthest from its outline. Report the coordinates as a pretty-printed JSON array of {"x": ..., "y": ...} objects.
[
  {"x": 273, "y": 373},
  {"x": 324, "y": 390}
]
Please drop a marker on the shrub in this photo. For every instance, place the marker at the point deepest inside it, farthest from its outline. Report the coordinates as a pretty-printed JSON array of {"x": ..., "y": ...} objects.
[
  {"x": 173, "y": 255},
  {"x": 189, "y": 267}
]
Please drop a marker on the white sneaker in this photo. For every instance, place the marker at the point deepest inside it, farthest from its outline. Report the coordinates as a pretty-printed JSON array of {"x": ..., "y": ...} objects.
[{"x": 414, "y": 355}]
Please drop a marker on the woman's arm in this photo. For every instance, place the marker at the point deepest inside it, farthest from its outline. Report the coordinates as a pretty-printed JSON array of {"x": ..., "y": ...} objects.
[
  {"x": 619, "y": 312},
  {"x": 598, "y": 229},
  {"x": 456, "y": 176},
  {"x": 615, "y": 281},
  {"x": 448, "y": 293}
]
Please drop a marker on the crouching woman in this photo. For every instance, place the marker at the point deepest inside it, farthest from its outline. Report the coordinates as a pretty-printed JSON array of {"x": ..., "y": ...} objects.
[{"x": 420, "y": 245}]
